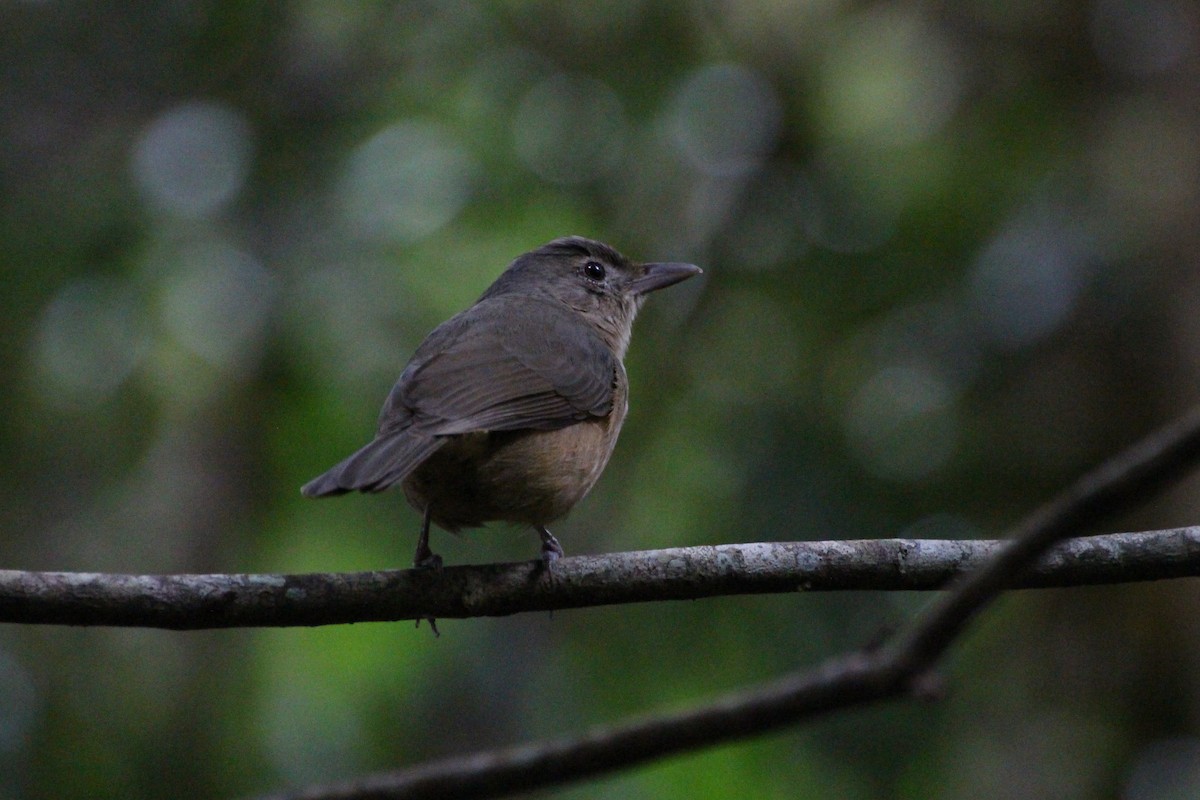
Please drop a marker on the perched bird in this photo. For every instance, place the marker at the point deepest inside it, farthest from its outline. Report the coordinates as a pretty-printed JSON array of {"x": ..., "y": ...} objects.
[{"x": 509, "y": 411}]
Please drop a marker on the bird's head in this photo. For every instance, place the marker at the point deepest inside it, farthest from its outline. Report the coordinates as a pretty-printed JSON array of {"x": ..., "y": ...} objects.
[{"x": 605, "y": 287}]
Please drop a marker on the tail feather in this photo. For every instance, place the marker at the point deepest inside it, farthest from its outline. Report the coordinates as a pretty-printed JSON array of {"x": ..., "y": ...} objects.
[{"x": 376, "y": 466}]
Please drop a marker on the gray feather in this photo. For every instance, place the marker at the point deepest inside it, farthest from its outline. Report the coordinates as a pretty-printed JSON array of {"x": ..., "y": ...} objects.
[{"x": 376, "y": 466}]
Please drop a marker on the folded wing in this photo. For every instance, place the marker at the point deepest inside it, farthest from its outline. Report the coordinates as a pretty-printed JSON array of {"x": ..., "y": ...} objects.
[{"x": 506, "y": 363}]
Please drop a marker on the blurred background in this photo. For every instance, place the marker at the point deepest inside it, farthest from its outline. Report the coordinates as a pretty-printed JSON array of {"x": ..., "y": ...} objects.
[{"x": 950, "y": 263}]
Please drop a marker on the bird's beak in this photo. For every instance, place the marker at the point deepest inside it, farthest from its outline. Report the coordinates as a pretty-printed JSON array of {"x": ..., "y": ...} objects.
[{"x": 661, "y": 275}]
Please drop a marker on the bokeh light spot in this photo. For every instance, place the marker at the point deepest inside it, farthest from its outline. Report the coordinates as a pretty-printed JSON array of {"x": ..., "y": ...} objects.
[
  {"x": 902, "y": 424},
  {"x": 193, "y": 159},
  {"x": 1027, "y": 280},
  {"x": 888, "y": 80},
  {"x": 570, "y": 129},
  {"x": 217, "y": 303},
  {"x": 406, "y": 182},
  {"x": 89, "y": 339},
  {"x": 725, "y": 119}
]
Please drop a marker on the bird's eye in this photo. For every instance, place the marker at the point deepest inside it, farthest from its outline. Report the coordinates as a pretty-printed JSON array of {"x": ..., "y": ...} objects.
[{"x": 594, "y": 270}]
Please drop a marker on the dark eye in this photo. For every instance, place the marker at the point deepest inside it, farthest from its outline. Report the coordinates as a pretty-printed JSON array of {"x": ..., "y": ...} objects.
[{"x": 594, "y": 270}]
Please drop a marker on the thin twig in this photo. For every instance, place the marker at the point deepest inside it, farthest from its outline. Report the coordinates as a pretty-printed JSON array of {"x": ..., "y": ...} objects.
[
  {"x": 899, "y": 667},
  {"x": 189, "y": 602}
]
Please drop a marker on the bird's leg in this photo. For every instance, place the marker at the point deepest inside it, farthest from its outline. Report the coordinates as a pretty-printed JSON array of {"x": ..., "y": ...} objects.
[
  {"x": 425, "y": 558},
  {"x": 551, "y": 550}
]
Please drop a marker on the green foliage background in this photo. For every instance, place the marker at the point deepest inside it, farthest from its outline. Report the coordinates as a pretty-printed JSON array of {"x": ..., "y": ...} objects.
[{"x": 950, "y": 257}]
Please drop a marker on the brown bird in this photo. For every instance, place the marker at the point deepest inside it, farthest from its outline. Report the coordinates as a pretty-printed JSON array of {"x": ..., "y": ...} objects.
[{"x": 509, "y": 411}]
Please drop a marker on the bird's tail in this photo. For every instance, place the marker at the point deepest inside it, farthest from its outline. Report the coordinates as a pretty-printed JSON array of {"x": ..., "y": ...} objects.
[{"x": 377, "y": 466}]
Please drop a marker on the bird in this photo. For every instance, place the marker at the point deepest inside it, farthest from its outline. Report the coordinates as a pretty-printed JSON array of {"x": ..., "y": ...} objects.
[{"x": 509, "y": 411}]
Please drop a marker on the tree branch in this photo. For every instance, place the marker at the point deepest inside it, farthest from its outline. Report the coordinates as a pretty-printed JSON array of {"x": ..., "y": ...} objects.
[
  {"x": 189, "y": 602},
  {"x": 897, "y": 668}
]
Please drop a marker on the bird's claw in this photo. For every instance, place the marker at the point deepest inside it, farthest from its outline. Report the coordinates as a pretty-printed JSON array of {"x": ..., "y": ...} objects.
[
  {"x": 428, "y": 561},
  {"x": 551, "y": 550},
  {"x": 425, "y": 558}
]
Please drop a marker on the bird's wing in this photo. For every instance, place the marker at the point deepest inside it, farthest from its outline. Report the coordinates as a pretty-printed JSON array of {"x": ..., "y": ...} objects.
[{"x": 506, "y": 363}]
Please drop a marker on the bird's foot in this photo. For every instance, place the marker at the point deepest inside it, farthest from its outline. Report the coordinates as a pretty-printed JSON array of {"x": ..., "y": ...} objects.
[
  {"x": 425, "y": 558},
  {"x": 432, "y": 625},
  {"x": 430, "y": 561},
  {"x": 551, "y": 550}
]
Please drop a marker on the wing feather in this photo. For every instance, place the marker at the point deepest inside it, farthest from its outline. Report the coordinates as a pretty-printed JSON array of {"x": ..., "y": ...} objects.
[{"x": 507, "y": 363}]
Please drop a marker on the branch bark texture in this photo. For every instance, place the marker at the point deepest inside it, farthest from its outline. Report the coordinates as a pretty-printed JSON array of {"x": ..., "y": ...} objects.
[{"x": 188, "y": 602}]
